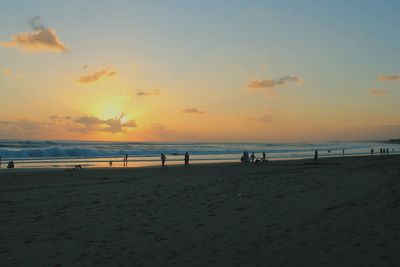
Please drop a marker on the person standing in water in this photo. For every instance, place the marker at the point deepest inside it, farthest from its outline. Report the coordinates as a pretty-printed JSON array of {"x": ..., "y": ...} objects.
[
  {"x": 163, "y": 159},
  {"x": 126, "y": 160},
  {"x": 187, "y": 160}
]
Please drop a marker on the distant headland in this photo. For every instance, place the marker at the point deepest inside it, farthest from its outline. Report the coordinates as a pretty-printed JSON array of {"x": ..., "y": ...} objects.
[{"x": 393, "y": 141}]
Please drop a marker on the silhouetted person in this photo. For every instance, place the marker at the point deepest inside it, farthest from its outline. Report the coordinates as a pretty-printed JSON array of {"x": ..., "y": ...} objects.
[
  {"x": 163, "y": 159},
  {"x": 372, "y": 151},
  {"x": 10, "y": 165},
  {"x": 264, "y": 156},
  {"x": 380, "y": 150},
  {"x": 253, "y": 157},
  {"x": 244, "y": 157},
  {"x": 387, "y": 150},
  {"x": 343, "y": 152},
  {"x": 316, "y": 155},
  {"x": 187, "y": 160},
  {"x": 77, "y": 167},
  {"x": 126, "y": 160},
  {"x": 110, "y": 163}
]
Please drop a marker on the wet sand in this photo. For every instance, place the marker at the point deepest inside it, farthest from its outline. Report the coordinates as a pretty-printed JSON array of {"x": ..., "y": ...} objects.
[{"x": 338, "y": 212}]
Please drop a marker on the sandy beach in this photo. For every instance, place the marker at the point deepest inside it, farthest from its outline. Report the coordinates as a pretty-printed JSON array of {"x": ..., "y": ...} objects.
[{"x": 338, "y": 212}]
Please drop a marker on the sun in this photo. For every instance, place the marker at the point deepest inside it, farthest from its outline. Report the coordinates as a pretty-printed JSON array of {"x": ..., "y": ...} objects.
[{"x": 109, "y": 107}]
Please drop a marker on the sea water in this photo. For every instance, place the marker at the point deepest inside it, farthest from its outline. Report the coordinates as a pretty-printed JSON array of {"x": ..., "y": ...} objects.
[{"x": 63, "y": 154}]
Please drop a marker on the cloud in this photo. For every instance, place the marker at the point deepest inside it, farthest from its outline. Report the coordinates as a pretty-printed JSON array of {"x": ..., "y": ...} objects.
[
  {"x": 40, "y": 39},
  {"x": 259, "y": 84},
  {"x": 269, "y": 85},
  {"x": 193, "y": 111},
  {"x": 59, "y": 125},
  {"x": 58, "y": 118},
  {"x": 149, "y": 93},
  {"x": 10, "y": 74},
  {"x": 263, "y": 119},
  {"x": 96, "y": 76},
  {"x": 89, "y": 120},
  {"x": 36, "y": 23},
  {"x": 389, "y": 78},
  {"x": 378, "y": 92},
  {"x": 115, "y": 125},
  {"x": 6, "y": 72}
]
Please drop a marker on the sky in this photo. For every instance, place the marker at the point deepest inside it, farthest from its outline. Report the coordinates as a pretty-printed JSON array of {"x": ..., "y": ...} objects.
[{"x": 223, "y": 71}]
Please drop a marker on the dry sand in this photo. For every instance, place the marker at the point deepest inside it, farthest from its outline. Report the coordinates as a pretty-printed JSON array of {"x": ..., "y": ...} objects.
[{"x": 340, "y": 212}]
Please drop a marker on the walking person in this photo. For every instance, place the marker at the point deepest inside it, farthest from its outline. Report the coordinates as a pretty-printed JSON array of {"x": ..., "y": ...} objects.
[
  {"x": 163, "y": 159},
  {"x": 187, "y": 160},
  {"x": 253, "y": 157},
  {"x": 316, "y": 155},
  {"x": 126, "y": 160}
]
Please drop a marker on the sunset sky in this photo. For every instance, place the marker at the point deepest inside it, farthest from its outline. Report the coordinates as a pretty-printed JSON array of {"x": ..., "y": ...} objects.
[{"x": 255, "y": 71}]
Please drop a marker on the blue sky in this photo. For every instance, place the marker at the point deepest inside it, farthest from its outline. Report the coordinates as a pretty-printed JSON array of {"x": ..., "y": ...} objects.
[{"x": 209, "y": 51}]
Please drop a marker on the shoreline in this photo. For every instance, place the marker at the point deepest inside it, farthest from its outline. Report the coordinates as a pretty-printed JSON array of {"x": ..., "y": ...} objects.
[{"x": 194, "y": 163}]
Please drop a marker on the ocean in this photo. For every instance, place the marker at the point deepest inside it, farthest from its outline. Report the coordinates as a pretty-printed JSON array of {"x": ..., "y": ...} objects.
[{"x": 65, "y": 154}]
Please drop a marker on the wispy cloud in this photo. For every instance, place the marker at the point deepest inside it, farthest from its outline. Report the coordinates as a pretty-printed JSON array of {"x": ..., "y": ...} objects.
[
  {"x": 59, "y": 118},
  {"x": 96, "y": 76},
  {"x": 148, "y": 93},
  {"x": 378, "y": 92},
  {"x": 263, "y": 119},
  {"x": 269, "y": 85},
  {"x": 40, "y": 39},
  {"x": 389, "y": 78},
  {"x": 259, "y": 84},
  {"x": 193, "y": 111}
]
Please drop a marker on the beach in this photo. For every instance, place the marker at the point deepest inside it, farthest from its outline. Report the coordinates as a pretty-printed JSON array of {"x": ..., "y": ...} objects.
[{"x": 342, "y": 211}]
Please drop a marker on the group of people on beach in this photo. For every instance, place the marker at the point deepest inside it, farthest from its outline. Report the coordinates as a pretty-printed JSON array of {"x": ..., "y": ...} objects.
[
  {"x": 185, "y": 159},
  {"x": 385, "y": 150},
  {"x": 252, "y": 158},
  {"x": 163, "y": 159},
  {"x": 245, "y": 158}
]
